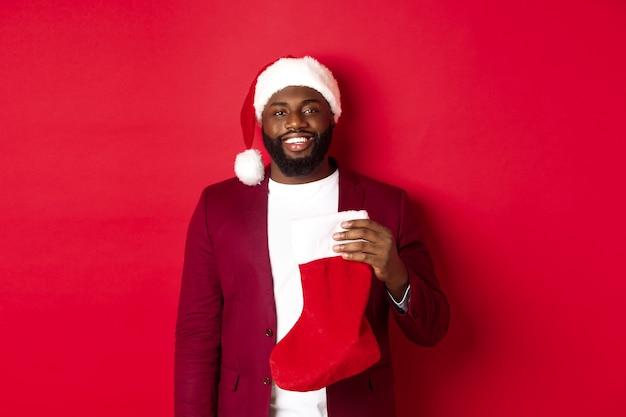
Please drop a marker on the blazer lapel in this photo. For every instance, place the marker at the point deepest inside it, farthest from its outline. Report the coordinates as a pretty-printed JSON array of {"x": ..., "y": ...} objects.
[
  {"x": 351, "y": 194},
  {"x": 254, "y": 208}
]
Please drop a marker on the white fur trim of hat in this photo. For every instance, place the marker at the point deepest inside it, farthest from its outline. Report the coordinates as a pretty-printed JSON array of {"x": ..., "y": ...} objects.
[{"x": 300, "y": 72}]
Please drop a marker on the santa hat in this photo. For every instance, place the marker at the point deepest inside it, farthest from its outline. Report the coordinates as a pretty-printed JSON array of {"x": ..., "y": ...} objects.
[{"x": 285, "y": 72}]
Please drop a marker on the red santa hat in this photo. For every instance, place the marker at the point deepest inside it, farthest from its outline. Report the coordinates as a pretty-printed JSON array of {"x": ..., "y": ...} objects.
[{"x": 285, "y": 72}]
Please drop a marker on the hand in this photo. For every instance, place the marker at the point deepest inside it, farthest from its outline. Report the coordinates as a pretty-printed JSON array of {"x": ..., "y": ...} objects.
[{"x": 376, "y": 247}]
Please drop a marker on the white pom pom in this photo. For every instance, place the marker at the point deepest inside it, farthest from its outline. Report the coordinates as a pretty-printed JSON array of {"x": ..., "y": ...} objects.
[{"x": 249, "y": 167}]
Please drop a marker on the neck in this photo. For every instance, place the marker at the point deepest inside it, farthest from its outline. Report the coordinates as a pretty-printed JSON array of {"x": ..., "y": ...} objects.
[{"x": 323, "y": 170}]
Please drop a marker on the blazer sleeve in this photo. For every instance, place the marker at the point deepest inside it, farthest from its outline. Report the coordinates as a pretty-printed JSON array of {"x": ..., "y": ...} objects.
[
  {"x": 198, "y": 326},
  {"x": 428, "y": 315}
]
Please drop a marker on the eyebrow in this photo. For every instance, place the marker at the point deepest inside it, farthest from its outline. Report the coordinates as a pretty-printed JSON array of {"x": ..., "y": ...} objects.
[{"x": 305, "y": 101}]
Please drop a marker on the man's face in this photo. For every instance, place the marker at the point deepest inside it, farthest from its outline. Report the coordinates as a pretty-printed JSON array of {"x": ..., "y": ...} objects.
[{"x": 297, "y": 130}]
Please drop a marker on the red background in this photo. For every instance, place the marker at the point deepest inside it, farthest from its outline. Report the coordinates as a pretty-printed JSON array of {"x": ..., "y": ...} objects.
[{"x": 504, "y": 122}]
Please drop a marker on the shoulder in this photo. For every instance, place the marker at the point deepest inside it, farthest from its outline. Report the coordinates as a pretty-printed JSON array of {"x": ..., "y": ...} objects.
[
  {"x": 231, "y": 196},
  {"x": 226, "y": 188},
  {"x": 351, "y": 178}
]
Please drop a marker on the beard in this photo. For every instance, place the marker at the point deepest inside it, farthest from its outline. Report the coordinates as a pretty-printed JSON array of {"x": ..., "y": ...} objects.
[{"x": 299, "y": 167}]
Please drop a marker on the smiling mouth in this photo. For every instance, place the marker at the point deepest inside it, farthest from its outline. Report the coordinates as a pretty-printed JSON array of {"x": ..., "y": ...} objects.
[{"x": 298, "y": 140}]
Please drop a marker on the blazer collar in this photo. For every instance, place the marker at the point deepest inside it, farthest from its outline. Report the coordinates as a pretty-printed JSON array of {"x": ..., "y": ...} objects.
[
  {"x": 351, "y": 193},
  {"x": 254, "y": 219}
]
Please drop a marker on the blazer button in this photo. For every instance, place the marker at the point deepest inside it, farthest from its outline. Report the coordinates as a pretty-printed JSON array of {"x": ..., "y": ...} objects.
[
  {"x": 266, "y": 381},
  {"x": 269, "y": 332}
]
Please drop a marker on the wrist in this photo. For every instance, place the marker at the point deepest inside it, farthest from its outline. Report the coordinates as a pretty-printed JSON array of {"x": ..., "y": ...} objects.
[{"x": 398, "y": 286}]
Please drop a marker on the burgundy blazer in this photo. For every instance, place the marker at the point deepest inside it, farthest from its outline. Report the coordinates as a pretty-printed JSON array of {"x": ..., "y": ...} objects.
[{"x": 226, "y": 323}]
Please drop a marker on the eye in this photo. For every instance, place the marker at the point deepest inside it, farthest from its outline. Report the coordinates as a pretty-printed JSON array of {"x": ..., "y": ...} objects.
[
  {"x": 309, "y": 111},
  {"x": 279, "y": 113}
]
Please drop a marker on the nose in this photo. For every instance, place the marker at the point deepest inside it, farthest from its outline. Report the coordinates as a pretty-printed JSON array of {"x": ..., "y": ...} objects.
[{"x": 294, "y": 121}]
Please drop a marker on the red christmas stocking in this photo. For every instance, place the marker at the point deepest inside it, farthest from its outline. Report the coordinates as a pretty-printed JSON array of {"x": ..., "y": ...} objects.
[{"x": 332, "y": 339}]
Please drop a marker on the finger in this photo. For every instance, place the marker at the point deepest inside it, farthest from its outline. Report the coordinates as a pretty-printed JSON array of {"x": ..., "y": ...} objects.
[
  {"x": 358, "y": 246},
  {"x": 357, "y": 234},
  {"x": 364, "y": 224},
  {"x": 364, "y": 257}
]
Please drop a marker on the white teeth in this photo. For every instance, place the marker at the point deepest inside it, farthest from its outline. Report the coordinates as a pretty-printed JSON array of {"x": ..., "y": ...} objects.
[{"x": 296, "y": 140}]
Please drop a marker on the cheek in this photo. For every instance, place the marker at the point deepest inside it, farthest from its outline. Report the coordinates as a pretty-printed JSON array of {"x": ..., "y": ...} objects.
[
  {"x": 322, "y": 125},
  {"x": 271, "y": 128},
  {"x": 324, "y": 121}
]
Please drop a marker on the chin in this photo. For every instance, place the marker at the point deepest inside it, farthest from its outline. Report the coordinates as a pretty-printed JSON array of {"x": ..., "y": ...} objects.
[{"x": 299, "y": 166}]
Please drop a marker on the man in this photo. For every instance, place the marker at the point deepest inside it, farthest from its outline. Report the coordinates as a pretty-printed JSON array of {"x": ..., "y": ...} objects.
[{"x": 241, "y": 291}]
